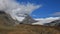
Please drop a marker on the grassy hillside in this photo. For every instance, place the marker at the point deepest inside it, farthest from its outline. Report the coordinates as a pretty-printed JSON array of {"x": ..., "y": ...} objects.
[
  {"x": 28, "y": 29},
  {"x": 25, "y": 29}
]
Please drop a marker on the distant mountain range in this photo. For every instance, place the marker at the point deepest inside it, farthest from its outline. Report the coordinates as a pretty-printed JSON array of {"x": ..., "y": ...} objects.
[
  {"x": 53, "y": 23},
  {"x": 6, "y": 19}
]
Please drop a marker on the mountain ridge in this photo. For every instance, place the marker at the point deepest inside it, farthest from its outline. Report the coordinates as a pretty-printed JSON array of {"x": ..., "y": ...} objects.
[{"x": 6, "y": 27}]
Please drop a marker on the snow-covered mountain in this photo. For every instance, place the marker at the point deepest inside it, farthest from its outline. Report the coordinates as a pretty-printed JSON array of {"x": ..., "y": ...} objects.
[
  {"x": 53, "y": 23},
  {"x": 7, "y": 19},
  {"x": 42, "y": 21},
  {"x": 28, "y": 20}
]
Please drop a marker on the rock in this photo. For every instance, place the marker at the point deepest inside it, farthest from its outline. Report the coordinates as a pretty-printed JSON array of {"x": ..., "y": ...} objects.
[
  {"x": 28, "y": 20},
  {"x": 6, "y": 19}
]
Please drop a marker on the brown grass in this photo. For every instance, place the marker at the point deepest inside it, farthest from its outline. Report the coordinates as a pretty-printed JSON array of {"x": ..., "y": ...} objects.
[{"x": 29, "y": 29}]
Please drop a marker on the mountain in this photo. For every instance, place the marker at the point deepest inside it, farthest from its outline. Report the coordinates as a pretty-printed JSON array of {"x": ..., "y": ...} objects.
[
  {"x": 28, "y": 20},
  {"x": 53, "y": 23},
  {"x": 5, "y": 19},
  {"x": 6, "y": 26}
]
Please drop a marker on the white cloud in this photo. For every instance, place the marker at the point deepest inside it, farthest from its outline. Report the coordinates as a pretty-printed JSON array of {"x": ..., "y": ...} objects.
[
  {"x": 42, "y": 21},
  {"x": 20, "y": 18},
  {"x": 56, "y": 14},
  {"x": 12, "y": 8}
]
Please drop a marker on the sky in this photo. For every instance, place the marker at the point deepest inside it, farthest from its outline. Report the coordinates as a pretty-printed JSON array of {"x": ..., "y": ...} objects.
[
  {"x": 17, "y": 10},
  {"x": 49, "y": 8},
  {"x": 44, "y": 11}
]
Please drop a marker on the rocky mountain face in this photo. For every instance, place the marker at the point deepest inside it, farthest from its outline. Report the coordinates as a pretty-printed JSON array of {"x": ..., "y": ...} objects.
[
  {"x": 53, "y": 23},
  {"x": 7, "y": 20},
  {"x": 28, "y": 20}
]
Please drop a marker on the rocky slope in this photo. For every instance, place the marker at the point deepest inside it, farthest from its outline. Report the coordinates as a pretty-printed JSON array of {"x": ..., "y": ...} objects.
[
  {"x": 5, "y": 19},
  {"x": 28, "y": 20},
  {"x": 6, "y": 27}
]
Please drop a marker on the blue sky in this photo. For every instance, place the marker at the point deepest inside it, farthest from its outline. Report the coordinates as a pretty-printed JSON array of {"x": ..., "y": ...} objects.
[{"x": 49, "y": 7}]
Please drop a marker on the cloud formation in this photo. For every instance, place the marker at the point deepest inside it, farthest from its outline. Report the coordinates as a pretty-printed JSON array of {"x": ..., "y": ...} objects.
[
  {"x": 13, "y": 8},
  {"x": 42, "y": 21},
  {"x": 56, "y": 14}
]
